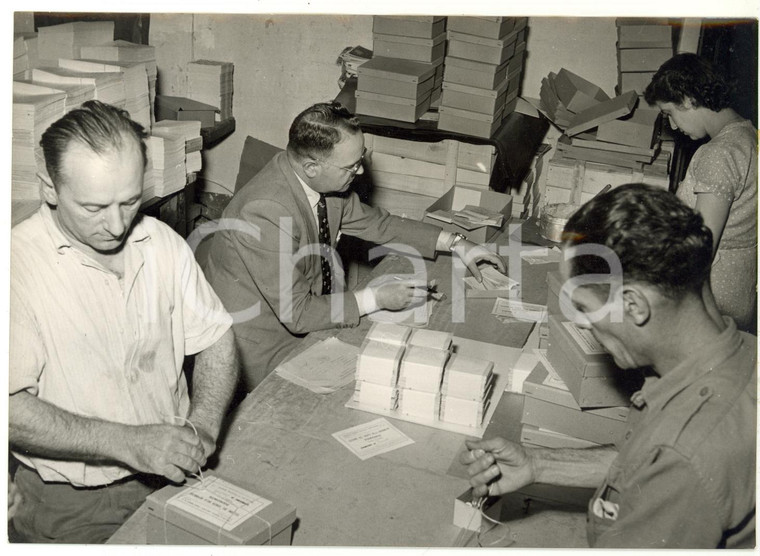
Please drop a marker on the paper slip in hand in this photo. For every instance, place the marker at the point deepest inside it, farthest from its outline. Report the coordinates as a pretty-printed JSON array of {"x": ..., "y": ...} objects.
[
  {"x": 514, "y": 310},
  {"x": 372, "y": 439},
  {"x": 492, "y": 280},
  {"x": 324, "y": 367}
]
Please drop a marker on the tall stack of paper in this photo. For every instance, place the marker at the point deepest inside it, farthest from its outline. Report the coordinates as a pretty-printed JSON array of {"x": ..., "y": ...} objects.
[
  {"x": 389, "y": 333},
  {"x": 109, "y": 86},
  {"x": 431, "y": 339},
  {"x": 419, "y": 381},
  {"x": 466, "y": 390},
  {"x": 165, "y": 172},
  {"x": 190, "y": 131},
  {"x": 376, "y": 374},
  {"x": 136, "y": 89},
  {"x": 125, "y": 51},
  {"x": 34, "y": 109},
  {"x": 210, "y": 82},
  {"x": 25, "y": 53},
  {"x": 76, "y": 93},
  {"x": 67, "y": 39}
]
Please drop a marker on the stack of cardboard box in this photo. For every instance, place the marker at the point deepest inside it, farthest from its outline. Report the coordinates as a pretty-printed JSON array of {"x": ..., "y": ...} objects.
[
  {"x": 576, "y": 396},
  {"x": 642, "y": 46},
  {"x": 483, "y": 69},
  {"x": 605, "y": 141},
  {"x": 405, "y": 74}
]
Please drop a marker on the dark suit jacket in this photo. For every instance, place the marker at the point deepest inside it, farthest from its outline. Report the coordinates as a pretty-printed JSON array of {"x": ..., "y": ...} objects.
[{"x": 250, "y": 266}]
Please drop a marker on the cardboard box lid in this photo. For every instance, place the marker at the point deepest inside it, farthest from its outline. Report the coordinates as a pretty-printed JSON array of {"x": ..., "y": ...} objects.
[
  {"x": 488, "y": 93},
  {"x": 458, "y": 112},
  {"x": 496, "y": 43},
  {"x": 577, "y": 93},
  {"x": 256, "y": 529},
  {"x": 613, "y": 109},
  {"x": 397, "y": 69},
  {"x": 476, "y": 65},
  {"x": 415, "y": 18},
  {"x": 377, "y": 97},
  {"x": 183, "y": 104},
  {"x": 416, "y": 41}
]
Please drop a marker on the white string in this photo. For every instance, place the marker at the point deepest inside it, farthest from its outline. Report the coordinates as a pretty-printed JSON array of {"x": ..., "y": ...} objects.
[{"x": 199, "y": 475}]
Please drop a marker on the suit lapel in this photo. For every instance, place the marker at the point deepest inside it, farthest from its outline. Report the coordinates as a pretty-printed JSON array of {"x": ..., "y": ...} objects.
[{"x": 301, "y": 201}]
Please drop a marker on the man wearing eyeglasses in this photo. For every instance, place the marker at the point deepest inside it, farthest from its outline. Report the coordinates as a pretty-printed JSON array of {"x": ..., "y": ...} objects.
[{"x": 272, "y": 260}]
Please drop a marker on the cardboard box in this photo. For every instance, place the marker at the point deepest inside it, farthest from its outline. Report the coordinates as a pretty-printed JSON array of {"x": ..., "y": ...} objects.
[
  {"x": 590, "y": 374},
  {"x": 424, "y": 27},
  {"x": 467, "y": 515},
  {"x": 603, "y": 112},
  {"x": 491, "y": 51},
  {"x": 400, "y": 78},
  {"x": 473, "y": 73},
  {"x": 637, "y": 130},
  {"x": 391, "y": 107},
  {"x": 492, "y": 27},
  {"x": 643, "y": 59},
  {"x": 172, "y": 519},
  {"x": 182, "y": 109},
  {"x": 539, "y": 385},
  {"x": 543, "y": 438},
  {"x": 576, "y": 93},
  {"x": 645, "y": 36},
  {"x": 410, "y": 48},
  {"x": 460, "y": 196},
  {"x": 572, "y": 422},
  {"x": 634, "y": 81},
  {"x": 468, "y": 122},
  {"x": 484, "y": 101}
]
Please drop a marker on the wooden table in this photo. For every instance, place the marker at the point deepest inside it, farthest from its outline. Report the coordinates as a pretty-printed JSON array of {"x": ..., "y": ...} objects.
[{"x": 280, "y": 437}]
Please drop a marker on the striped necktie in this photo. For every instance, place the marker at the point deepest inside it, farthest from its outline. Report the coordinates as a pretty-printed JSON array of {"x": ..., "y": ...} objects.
[{"x": 324, "y": 245}]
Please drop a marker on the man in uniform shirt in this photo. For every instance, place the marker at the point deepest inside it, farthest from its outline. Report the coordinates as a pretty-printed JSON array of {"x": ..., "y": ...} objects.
[
  {"x": 105, "y": 305},
  {"x": 683, "y": 475},
  {"x": 258, "y": 260}
]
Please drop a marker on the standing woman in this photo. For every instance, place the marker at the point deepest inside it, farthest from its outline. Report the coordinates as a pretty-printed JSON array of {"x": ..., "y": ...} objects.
[{"x": 721, "y": 180}]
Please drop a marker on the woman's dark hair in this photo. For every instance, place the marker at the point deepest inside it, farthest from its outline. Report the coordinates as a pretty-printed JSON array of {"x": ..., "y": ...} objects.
[
  {"x": 657, "y": 239},
  {"x": 99, "y": 126},
  {"x": 316, "y": 130},
  {"x": 689, "y": 76}
]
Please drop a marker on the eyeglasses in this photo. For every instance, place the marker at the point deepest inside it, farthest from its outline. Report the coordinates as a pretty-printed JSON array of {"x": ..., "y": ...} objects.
[{"x": 350, "y": 169}]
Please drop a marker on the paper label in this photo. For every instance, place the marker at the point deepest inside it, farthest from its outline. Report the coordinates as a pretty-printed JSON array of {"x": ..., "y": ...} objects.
[
  {"x": 218, "y": 502},
  {"x": 372, "y": 439},
  {"x": 552, "y": 379}
]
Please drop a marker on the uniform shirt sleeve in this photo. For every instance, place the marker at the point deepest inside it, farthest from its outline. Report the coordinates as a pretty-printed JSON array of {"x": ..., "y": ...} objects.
[{"x": 663, "y": 505}]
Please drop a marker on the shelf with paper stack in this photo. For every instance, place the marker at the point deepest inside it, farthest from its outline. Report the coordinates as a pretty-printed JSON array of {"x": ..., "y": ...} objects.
[
  {"x": 422, "y": 376},
  {"x": 605, "y": 140}
]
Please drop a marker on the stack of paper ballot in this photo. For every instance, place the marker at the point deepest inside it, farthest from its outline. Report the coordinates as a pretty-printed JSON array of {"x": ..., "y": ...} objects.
[
  {"x": 125, "y": 51},
  {"x": 165, "y": 171},
  {"x": 210, "y": 82},
  {"x": 378, "y": 364},
  {"x": 109, "y": 86},
  {"x": 419, "y": 381},
  {"x": 67, "y": 39},
  {"x": 76, "y": 93},
  {"x": 470, "y": 217},
  {"x": 466, "y": 390},
  {"x": 136, "y": 91},
  {"x": 190, "y": 132},
  {"x": 34, "y": 109}
]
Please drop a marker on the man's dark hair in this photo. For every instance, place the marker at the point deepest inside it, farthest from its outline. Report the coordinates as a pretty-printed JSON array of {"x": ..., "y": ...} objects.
[
  {"x": 658, "y": 240},
  {"x": 689, "y": 76},
  {"x": 97, "y": 125},
  {"x": 316, "y": 130}
]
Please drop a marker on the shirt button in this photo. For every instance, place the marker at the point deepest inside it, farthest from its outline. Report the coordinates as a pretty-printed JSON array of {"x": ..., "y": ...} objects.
[
  {"x": 628, "y": 435},
  {"x": 703, "y": 391}
]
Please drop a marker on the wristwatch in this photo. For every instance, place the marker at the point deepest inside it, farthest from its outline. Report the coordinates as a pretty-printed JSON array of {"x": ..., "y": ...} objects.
[{"x": 457, "y": 238}]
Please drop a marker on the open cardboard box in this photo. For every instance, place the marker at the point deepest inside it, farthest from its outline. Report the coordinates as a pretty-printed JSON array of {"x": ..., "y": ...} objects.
[{"x": 459, "y": 197}]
